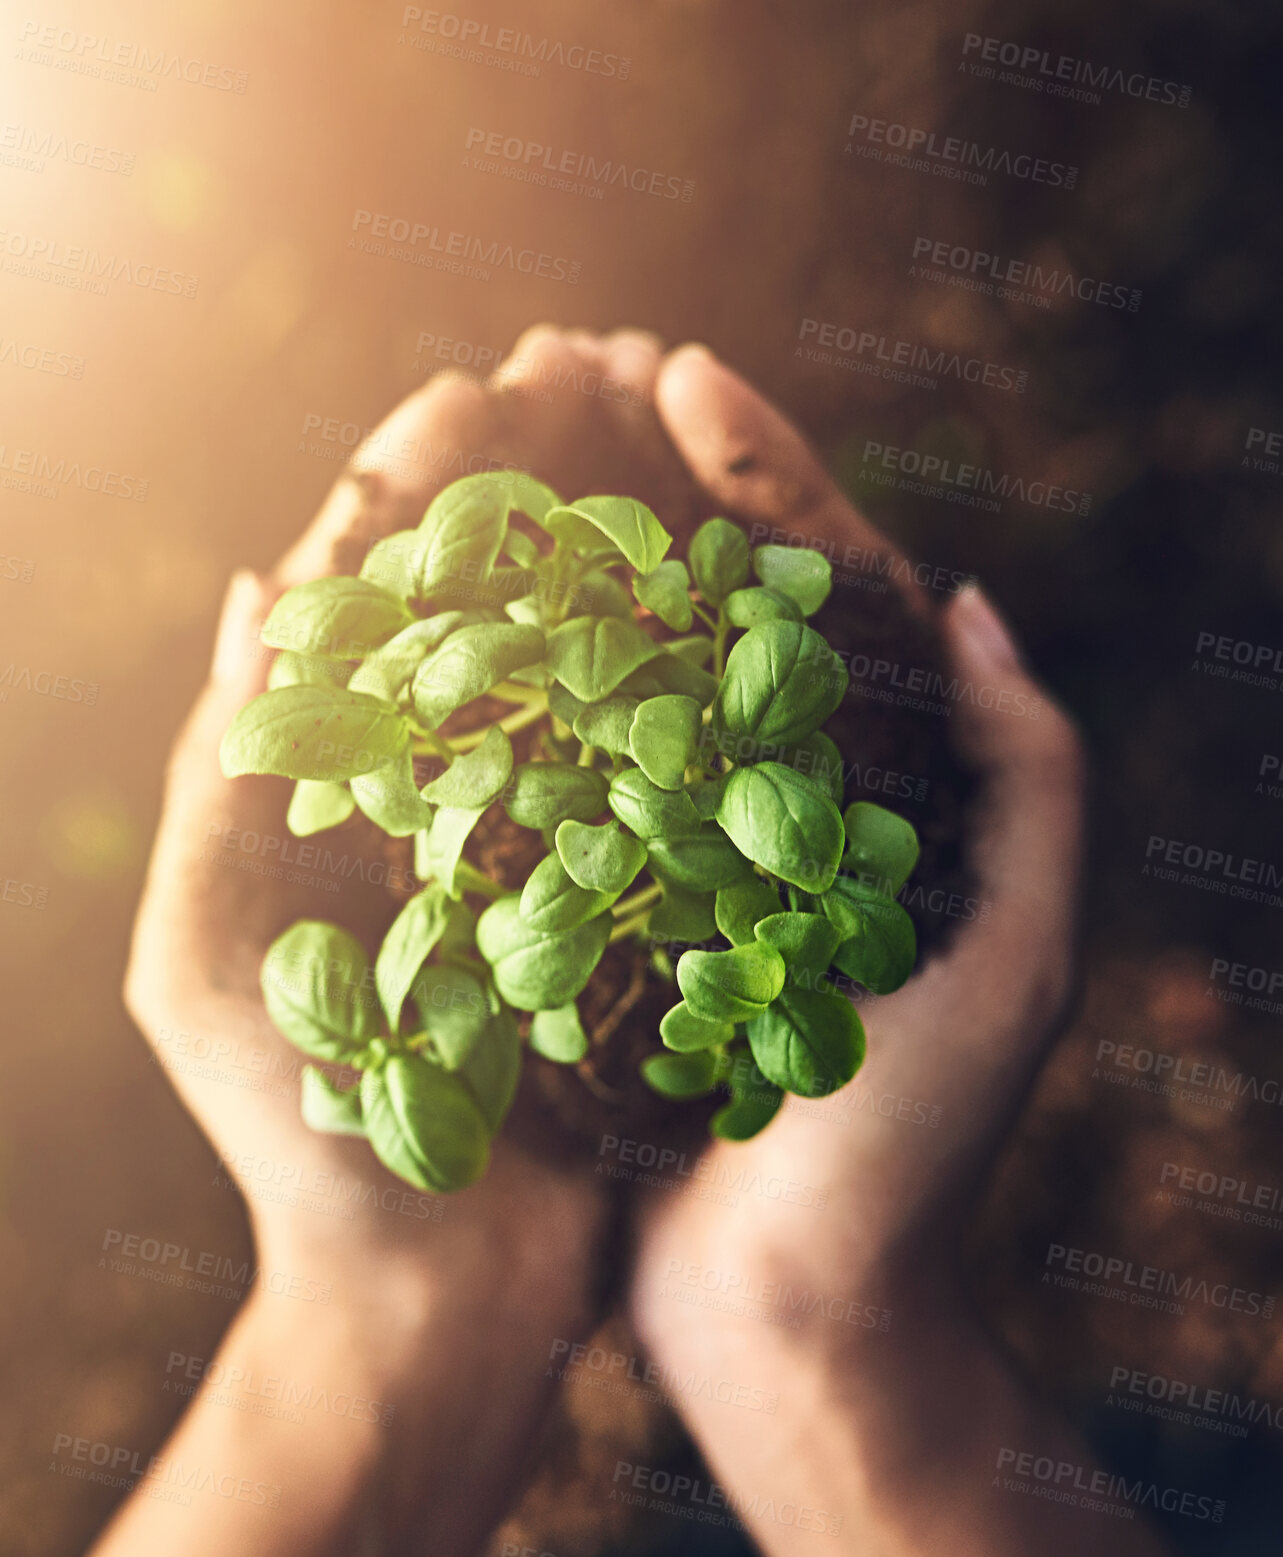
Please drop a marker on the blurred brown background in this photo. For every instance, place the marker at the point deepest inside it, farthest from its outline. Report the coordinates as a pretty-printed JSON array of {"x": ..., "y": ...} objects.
[{"x": 239, "y": 161}]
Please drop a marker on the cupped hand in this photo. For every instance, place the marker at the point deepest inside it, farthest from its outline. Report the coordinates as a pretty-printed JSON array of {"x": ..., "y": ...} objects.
[{"x": 894, "y": 1157}]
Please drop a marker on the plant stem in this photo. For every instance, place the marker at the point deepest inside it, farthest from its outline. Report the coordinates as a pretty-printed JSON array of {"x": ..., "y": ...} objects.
[
  {"x": 627, "y": 926},
  {"x": 473, "y": 880},
  {"x": 515, "y": 692},
  {"x": 638, "y": 901},
  {"x": 585, "y": 756},
  {"x": 719, "y": 643},
  {"x": 508, "y": 725},
  {"x": 436, "y": 745},
  {"x": 704, "y": 616}
]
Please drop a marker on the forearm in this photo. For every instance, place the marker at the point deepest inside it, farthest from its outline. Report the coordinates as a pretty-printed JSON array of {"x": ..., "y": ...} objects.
[
  {"x": 408, "y": 1428},
  {"x": 899, "y": 1444}
]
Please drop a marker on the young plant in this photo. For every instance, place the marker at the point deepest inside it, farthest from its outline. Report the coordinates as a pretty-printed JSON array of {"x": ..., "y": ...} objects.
[{"x": 674, "y": 765}]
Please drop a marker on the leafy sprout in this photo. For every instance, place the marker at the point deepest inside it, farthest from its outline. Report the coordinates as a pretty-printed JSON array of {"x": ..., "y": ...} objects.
[{"x": 668, "y": 718}]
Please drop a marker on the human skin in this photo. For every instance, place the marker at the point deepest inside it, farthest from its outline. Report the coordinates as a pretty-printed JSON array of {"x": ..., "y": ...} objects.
[{"x": 450, "y": 1321}]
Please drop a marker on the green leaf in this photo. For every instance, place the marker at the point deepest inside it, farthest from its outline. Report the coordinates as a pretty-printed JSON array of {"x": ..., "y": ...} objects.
[
  {"x": 388, "y": 672},
  {"x": 796, "y": 571},
  {"x": 805, "y": 941},
  {"x": 680, "y": 1076},
  {"x": 705, "y": 861},
  {"x": 685, "y": 1032},
  {"x": 311, "y": 732},
  {"x": 740, "y": 907},
  {"x": 559, "y": 1035},
  {"x": 819, "y": 759},
  {"x": 390, "y": 798},
  {"x": 327, "y": 1108},
  {"x": 565, "y": 705},
  {"x": 629, "y": 524},
  {"x": 493, "y": 1068},
  {"x": 460, "y": 936},
  {"x": 751, "y": 607},
  {"x": 476, "y": 777},
  {"x": 543, "y": 794},
  {"x": 470, "y": 662},
  {"x": 393, "y": 562},
  {"x": 665, "y": 592},
  {"x": 316, "y": 989},
  {"x": 444, "y": 846},
  {"x": 317, "y": 804},
  {"x": 665, "y": 737},
  {"x": 784, "y": 823},
  {"x": 747, "y": 1115},
  {"x": 592, "y": 654},
  {"x": 552, "y": 900},
  {"x": 707, "y": 795},
  {"x": 675, "y": 673},
  {"x": 880, "y": 845},
  {"x": 878, "y": 942},
  {"x": 424, "y": 1124},
  {"x": 731, "y": 986},
  {"x": 719, "y": 559},
  {"x": 600, "y": 594},
  {"x": 307, "y": 670},
  {"x": 682, "y": 916},
  {"x": 537, "y": 972},
  {"x": 338, "y": 618},
  {"x": 602, "y": 859},
  {"x": 525, "y": 494},
  {"x": 809, "y": 1041},
  {"x": 649, "y": 811},
  {"x": 409, "y": 939},
  {"x": 521, "y": 549},
  {"x": 463, "y": 530},
  {"x": 782, "y": 681},
  {"x": 606, "y": 724},
  {"x": 452, "y": 1001}
]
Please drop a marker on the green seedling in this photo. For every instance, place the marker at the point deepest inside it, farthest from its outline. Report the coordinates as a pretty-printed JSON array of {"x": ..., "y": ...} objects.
[{"x": 670, "y": 754}]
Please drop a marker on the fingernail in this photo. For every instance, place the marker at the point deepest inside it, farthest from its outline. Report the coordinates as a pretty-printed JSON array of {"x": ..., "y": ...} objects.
[
  {"x": 239, "y": 622},
  {"x": 984, "y": 629}
]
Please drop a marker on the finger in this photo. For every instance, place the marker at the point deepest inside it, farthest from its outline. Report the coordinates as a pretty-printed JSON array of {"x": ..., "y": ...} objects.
[
  {"x": 1000, "y": 988},
  {"x": 633, "y": 358},
  {"x": 753, "y": 462},
  {"x": 447, "y": 429}
]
